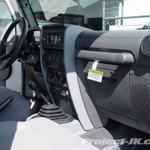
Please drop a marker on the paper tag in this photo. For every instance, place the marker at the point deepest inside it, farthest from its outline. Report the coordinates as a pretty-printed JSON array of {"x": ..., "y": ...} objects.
[
  {"x": 94, "y": 66},
  {"x": 95, "y": 75}
]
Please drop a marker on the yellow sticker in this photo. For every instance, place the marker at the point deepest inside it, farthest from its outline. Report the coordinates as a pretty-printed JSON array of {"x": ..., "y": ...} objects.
[
  {"x": 96, "y": 71},
  {"x": 95, "y": 75}
]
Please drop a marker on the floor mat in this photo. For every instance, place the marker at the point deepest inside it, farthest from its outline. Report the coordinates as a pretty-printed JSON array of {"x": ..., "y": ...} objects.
[{"x": 116, "y": 136}]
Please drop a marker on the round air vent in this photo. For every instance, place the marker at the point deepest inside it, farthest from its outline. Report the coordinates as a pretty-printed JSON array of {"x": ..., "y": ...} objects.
[{"x": 146, "y": 46}]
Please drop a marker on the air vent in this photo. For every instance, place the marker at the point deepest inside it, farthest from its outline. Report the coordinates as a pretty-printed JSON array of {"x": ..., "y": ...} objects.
[{"x": 146, "y": 46}]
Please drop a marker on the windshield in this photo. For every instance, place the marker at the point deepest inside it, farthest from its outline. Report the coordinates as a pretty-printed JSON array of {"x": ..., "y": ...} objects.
[{"x": 94, "y": 14}]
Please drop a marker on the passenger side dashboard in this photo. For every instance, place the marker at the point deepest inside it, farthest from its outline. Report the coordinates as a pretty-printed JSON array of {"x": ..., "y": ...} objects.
[{"x": 123, "y": 94}]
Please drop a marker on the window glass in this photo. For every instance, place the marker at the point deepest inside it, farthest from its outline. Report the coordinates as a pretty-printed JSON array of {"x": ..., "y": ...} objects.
[
  {"x": 94, "y": 14},
  {"x": 83, "y": 13},
  {"x": 5, "y": 18}
]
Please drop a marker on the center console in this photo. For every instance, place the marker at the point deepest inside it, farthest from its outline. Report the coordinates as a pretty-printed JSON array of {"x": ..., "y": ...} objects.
[{"x": 52, "y": 60}]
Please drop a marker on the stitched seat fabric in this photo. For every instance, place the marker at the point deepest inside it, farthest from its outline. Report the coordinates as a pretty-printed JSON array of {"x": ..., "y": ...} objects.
[
  {"x": 39, "y": 134},
  {"x": 17, "y": 110}
]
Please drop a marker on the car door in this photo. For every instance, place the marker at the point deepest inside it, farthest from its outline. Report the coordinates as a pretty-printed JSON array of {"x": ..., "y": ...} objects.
[
  {"x": 5, "y": 20},
  {"x": 10, "y": 77}
]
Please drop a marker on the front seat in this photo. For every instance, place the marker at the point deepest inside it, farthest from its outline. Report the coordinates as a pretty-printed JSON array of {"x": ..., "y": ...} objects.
[
  {"x": 17, "y": 110},
  {"x": 39, "y": 134}
]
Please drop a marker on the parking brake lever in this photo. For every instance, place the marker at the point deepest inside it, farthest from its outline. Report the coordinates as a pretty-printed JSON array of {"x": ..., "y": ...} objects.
[
  {"x": 6, "y": 102},
  {"x": 34, "y": 86}
]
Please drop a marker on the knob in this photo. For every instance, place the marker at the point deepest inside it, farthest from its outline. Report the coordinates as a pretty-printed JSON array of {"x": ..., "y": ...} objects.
[
  {"x": 57, "y": 77},
  {"x": 51, "y": 76},
  {"x": 47, "y": 59},
  {"x": 63, "y": 79},
  {"x": 59, "y": 61}
]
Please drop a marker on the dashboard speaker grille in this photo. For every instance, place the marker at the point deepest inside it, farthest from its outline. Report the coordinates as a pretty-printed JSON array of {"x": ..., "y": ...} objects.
[
  {"x": 140, "y": 98},
  {"x": 146, "y": 46}
]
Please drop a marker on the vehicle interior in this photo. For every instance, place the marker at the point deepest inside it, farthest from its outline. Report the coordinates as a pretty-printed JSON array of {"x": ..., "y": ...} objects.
[{"x": 66, "y": 84}]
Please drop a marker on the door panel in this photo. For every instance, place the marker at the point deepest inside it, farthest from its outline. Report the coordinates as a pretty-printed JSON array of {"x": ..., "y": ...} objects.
[
  {"x": 5, "y": 74},
  {"x": 5, "y": 21},
  {"x": 124, "y": 59}
]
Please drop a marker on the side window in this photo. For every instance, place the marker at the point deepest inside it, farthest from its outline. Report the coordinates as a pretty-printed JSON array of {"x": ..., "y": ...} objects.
[{"x": 5, "y": 20}]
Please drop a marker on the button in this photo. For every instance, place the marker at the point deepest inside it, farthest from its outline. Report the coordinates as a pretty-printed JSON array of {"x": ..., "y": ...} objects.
[
  {"x": 44, "y": 39},
  {"x": 48, "y": 38},
  {"x": 67, "y": 93}
]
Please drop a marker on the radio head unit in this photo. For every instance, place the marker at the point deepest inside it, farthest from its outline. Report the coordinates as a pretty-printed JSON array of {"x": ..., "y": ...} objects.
[{"x": 53, "y": 38}]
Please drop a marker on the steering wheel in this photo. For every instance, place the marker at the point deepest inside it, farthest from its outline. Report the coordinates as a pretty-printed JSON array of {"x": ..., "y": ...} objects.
[{"x": 10, "y": 51}]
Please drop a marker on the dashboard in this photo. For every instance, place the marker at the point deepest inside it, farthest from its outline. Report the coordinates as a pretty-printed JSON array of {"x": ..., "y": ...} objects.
[{"x": 66, "y": 53}]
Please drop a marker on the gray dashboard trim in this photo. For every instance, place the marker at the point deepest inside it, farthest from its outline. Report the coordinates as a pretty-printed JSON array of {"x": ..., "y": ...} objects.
[
  {"x": 121, "y": 58},
  {"x": 69, "y": 59},
  {"x": 97, "y": 119}
]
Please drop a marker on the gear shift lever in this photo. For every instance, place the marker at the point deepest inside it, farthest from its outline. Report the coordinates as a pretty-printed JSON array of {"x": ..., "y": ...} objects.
[
  {"x": 34, "y": 86},
  {"x": 51, "y": 111}
]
